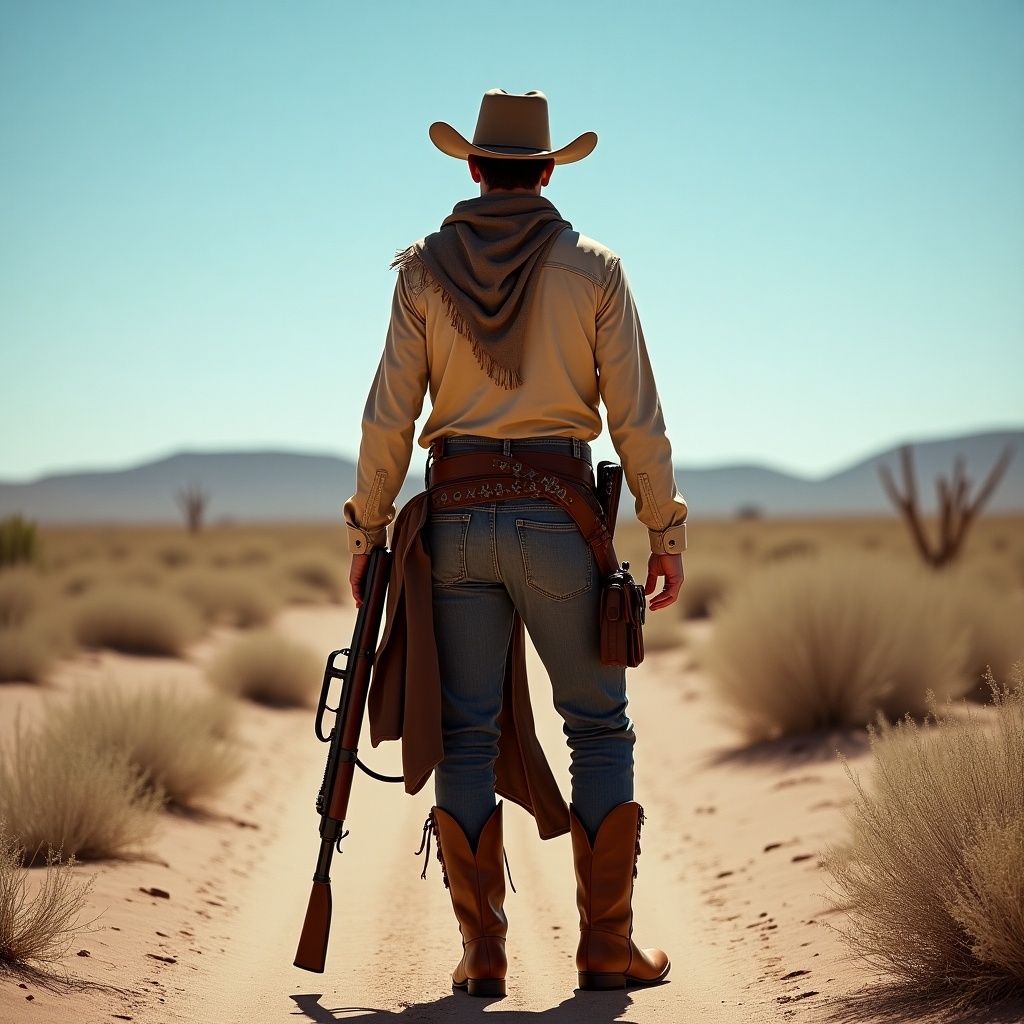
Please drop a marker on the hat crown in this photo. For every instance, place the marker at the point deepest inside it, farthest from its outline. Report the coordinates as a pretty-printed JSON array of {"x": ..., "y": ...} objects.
[{"x": 513, "y": 121}]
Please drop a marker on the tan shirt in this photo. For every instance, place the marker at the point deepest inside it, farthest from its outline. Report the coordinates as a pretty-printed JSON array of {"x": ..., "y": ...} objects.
[{"x": 584, "y": 346}]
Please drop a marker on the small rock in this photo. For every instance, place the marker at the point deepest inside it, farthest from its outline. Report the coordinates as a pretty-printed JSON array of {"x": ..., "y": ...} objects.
[
  {"x": 154, "y": 891},
  {"x": 83, "y": 952},
  {"x": 30, "y": 998},
  {"x": 162, "y": 959}
]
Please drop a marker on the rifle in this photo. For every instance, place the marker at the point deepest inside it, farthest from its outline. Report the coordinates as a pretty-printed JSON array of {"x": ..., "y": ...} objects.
[{"x": 342, "y": 759}]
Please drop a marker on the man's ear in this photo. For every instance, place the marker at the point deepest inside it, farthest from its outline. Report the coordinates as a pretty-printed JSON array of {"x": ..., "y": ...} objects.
[
  {"x": 474, "y": 169},
  {"x": 546, "y": 173}
]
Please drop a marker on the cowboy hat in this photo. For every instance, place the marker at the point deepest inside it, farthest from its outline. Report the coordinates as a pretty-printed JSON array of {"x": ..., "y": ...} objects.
[{"x": 511, "y": 127}]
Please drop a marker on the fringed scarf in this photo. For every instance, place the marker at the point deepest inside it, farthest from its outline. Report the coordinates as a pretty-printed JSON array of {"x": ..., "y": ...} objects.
[{"x": 482, "y": 262}]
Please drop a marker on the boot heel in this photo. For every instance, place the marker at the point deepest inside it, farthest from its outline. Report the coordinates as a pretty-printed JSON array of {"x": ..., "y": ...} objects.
[
  {"x": 486, "y": 986},
  {"x": 596, "y": 981}
]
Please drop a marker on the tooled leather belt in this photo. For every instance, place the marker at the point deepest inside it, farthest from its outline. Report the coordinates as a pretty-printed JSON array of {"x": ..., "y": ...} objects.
[{"x": 455, "y": 481}]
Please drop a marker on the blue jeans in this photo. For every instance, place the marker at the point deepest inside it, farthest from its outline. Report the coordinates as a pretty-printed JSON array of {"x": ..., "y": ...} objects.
[{"x": 527, "y": 556}]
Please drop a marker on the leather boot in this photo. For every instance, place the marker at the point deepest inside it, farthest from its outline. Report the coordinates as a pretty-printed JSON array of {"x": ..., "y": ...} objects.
[
  {"x": 476, "y": 882},
  {"x": 607, "y": 957}
]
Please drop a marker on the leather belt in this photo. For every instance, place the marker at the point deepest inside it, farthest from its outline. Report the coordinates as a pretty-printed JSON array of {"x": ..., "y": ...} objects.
[
  {"x": 450, "y": 468},
  {"x": 455, "y": 481}
]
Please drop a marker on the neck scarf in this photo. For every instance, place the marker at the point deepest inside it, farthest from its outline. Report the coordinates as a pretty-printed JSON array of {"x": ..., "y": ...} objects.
[{"x": 483, "y": 262}]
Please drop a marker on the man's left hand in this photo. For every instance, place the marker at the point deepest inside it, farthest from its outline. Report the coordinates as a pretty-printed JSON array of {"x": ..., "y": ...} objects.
[
  {"x": 669, "y": 566},
  {"x": 356, "y": 575}
]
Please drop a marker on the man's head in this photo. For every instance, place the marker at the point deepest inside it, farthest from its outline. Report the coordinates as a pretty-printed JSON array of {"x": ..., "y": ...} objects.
[{"x": 496, "y": 175}]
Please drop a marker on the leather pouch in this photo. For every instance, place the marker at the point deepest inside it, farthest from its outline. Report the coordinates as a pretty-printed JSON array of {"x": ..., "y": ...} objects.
[{"x": 623, "y": 610}]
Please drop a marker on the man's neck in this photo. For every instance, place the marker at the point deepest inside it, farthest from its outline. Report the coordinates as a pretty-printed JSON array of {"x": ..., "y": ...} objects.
[{"x": 485, "y": 191}]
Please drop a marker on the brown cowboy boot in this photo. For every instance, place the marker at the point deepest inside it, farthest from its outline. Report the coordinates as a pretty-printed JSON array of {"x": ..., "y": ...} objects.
[
  {"x": 476, "y": 882},
  {"x": 607, "y": 957}
]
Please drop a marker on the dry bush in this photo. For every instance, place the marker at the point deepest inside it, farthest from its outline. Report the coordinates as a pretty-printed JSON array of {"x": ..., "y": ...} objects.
[
  {"x": 267, "y": 668},
  {"x": 828, "y": 642},
  {"x": 61, "y": 793},
  {"x": 26, "y": 654},
  {"x": 708, "y": 580},
  {"x": 135, "y": 620},
  {"x": 182, "y": 746},
  {"x": 995, "y": 624},
  {"x": 314, "y": 575},
  {"x": 173, "y": 556},
  {"x": 19, "y": 541},
  {"x": 931, "y": 875},
  {"x": 37, "y": 928},
  {"x": 230, "y": 597},
  {"x": 21, "y": 593}
]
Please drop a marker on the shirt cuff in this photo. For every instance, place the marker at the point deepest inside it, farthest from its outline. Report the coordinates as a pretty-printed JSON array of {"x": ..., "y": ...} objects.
[
  {"x": 361, "y": 543},
  {"x": 668, "y": 542}
]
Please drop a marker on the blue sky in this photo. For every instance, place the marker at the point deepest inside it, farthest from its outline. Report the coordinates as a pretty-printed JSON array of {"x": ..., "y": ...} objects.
[{"x": 820, "y": 206}]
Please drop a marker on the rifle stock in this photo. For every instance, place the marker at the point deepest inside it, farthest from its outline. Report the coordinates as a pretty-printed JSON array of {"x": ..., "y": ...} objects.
[{"x": 332, "y": 800}]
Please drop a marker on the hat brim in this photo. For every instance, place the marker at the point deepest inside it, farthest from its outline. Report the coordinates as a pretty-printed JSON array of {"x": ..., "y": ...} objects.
[{"x": 449, "y": 141}]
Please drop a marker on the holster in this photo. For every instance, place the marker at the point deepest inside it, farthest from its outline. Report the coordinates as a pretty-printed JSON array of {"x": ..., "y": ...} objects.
[{"x": 623, "y": 612}]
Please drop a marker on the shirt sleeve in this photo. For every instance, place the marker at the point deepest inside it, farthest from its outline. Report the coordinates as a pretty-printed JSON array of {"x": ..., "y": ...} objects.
[
  {"x": 389, "y": 420},
  {"x": 635, "y": 420}
]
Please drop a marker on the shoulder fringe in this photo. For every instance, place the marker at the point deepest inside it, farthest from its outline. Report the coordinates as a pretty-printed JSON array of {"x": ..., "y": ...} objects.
[{"x": 409, "y": 259}]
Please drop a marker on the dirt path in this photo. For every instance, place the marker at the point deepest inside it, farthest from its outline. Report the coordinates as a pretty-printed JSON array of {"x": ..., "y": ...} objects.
[{"x": 394, "y": 938}]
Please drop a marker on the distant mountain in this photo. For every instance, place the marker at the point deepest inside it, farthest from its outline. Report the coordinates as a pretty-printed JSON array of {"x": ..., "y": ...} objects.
[
  {"x": 858, "y": 490},
  {"x": 269, "y": 486}
]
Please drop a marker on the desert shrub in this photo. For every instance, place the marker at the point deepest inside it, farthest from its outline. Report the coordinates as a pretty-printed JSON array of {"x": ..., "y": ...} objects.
[
  {"x": 181, "y": 746},
  {"x": 62, "y": 793},
  {"x": 21, "y": 593},
  {"x": 319, "y": 574},
  {"x": 19, "y": 541},
  {"x": 269, "y": 669},
  {"x": 26, "y": 654},
  {"x": 254, "y": 554},
  {"x": 831, "y": 641},
  {"x": 793, "y": 547},
  {"x": 995, "y": 626},
  {"x": 135, "y": 620},
  {"x": 230, "y": 597},
  {"x": 931, "y": 874},
  {"x": 173, "y": 556},
  {"x": 707, "y": 583},
  {"x": 37, "y": 928},
  {"x": 76, "y": 582}
]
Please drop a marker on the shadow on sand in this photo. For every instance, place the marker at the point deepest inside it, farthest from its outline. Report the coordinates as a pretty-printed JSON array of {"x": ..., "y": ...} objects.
[
  {"x": 794, "y": 751},
  {"x": 897, "y": 1004},
  {"x": 582, "y": 1008}
]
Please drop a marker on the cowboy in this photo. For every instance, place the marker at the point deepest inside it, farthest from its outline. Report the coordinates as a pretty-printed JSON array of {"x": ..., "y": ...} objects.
[{"x": 518, "y": 327}]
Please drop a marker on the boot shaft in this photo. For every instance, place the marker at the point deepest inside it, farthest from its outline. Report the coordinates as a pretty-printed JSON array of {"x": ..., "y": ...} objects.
[
  {"x": 475, "y": 879},
  {"x": 605, "y": 870}
]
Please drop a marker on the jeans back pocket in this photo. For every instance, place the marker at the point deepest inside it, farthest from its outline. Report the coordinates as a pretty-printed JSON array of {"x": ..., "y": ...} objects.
[
  {"x": 446, "y": 541},
  {"x": 557, "y": 559}
]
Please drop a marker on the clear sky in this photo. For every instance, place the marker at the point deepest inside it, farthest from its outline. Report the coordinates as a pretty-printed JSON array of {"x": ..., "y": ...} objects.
[{"x": 820, "y": 205}]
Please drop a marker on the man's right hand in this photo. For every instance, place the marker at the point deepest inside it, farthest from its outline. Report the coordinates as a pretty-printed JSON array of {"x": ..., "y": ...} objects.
[
  {"x": 671, "y": 567},
  {"x": 356, "y": 575}
]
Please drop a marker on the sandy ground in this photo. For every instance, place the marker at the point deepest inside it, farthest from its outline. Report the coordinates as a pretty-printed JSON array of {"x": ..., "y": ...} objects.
[{"x": 729, "y": 882}]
